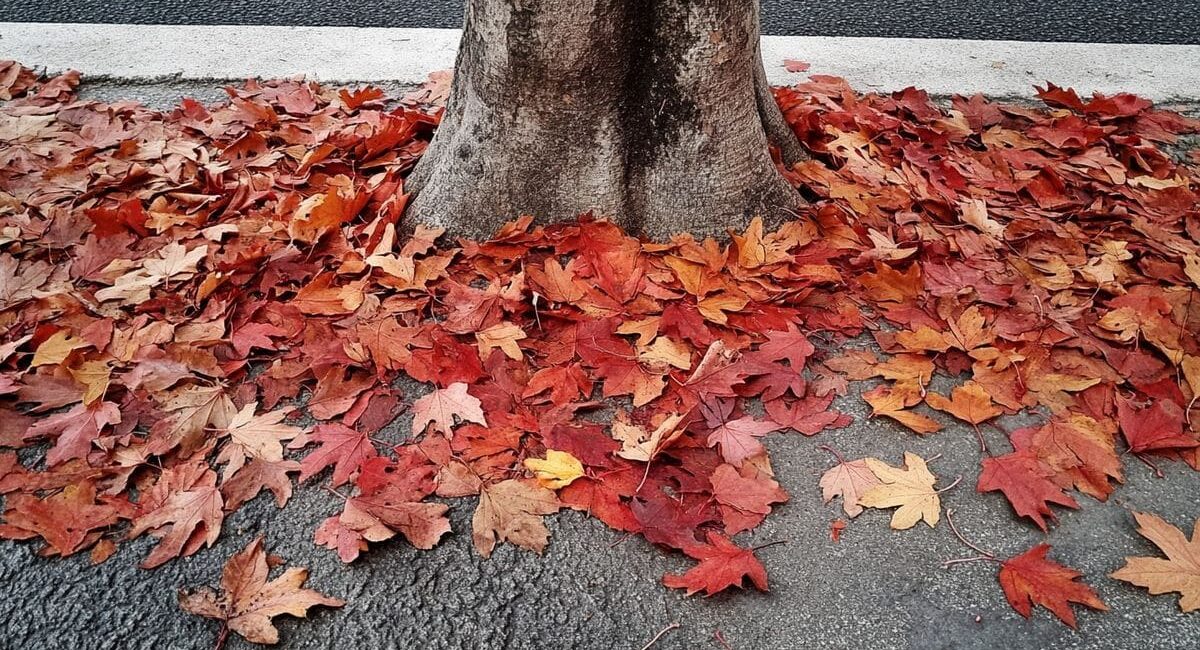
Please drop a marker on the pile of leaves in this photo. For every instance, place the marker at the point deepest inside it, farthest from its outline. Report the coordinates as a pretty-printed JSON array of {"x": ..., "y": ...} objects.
[{"x": 208, "y": 303}]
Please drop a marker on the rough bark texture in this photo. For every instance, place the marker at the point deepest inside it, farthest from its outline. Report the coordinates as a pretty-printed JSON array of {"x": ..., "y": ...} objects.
[{"x": 655, "y": 113}]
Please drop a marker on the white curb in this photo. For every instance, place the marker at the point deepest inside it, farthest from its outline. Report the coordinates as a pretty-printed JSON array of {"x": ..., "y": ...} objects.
[{"x": 348, "y": 54}]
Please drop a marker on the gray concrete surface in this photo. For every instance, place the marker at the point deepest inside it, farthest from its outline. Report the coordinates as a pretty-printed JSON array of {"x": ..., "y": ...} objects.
[
  {"x": 995, "y": 68},
  {"x": 593, "y": 588},
  {"x": 1103, "y": 21}
]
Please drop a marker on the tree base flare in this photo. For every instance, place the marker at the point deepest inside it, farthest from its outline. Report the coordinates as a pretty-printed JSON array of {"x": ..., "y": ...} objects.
[{"x": 654, "y": 115}]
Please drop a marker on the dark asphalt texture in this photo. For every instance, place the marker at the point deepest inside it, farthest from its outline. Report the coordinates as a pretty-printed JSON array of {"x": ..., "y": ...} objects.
[{"x": 1101, "y": 21}]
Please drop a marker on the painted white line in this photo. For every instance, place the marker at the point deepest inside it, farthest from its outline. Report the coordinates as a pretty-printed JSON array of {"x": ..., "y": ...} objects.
[{"x": 347, "y": 54}]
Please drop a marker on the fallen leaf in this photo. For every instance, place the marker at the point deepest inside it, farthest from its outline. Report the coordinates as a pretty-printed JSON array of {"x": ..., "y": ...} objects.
[
  {"x": 1030, "y": 579},
  {"x": 969, "y": 403},
  {"x": 849, "y": 480},
  {"x": 909, "y": 489},
  {"x": 248, "y": 602},
  {"x": 441, "y": 407},
  {"x": 1027, "y": 483},
  {"x": 558, "y": 470},
  {"x": 1179, "y": 572},
  {"x": 723, "y": 564},
  {"x": 511, "y": 511}
]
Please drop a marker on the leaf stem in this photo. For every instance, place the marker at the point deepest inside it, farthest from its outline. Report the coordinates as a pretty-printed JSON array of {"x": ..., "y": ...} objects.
[
  {"x": 645, "y": 475},
  {"x": 967, "y": 543},
  {"x": 982, "y": 443},
  {"x": 222, "y": 636},
  {"x": 769, "y": 544},
  {"x": 957, "y": 480},
  {"x": 963, "y": 560},
  {"x": 840, "y": 459},
  {"x": 1158, "y": 473},
  {"x": 339, "y": 494},
  {"x": 661, "y": 632}
]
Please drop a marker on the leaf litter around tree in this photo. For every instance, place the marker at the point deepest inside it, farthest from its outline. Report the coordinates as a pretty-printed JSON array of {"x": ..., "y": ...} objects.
[{"x": 208, "y": 303}]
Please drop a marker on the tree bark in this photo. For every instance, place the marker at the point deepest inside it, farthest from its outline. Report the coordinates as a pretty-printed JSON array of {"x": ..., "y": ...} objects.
[{"x": 655, "y": 113}]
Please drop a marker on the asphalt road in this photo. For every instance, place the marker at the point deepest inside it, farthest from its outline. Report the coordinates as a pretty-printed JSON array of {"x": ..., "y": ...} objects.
[{"x": 1102, "y": 21}]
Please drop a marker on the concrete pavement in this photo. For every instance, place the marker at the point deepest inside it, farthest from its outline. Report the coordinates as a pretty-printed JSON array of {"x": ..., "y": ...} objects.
[{"x": 333, "y": 54}]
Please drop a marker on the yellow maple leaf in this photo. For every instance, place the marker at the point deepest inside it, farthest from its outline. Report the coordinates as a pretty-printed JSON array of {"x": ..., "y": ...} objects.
[
  {"x": 1180, "y": 572},
  {"x": 501, "y": 335},
  {"x": 511, "y": 511},
  {"x": 908, "y": 489},
  {"x": 94, "y": 375},
  {"x": 57, "y": 348},
  {"x": 556, "y": 471}
]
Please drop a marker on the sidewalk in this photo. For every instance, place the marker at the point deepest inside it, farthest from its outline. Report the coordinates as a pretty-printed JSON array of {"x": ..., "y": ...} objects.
[{"x": 347, "y": 54}]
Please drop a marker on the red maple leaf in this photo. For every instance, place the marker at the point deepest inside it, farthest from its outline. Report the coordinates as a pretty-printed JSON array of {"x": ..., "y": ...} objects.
[
  {"x": 75, "y": 430},
  {"x": 809, "y": 416},
  {"x": 129, "y": 216},
  {"x": 738, "y": 439},
  {"x": 1026, "y": 482},
  {"x": 723, "y": 564},
  {"x": 1030, "y": 579},
  {"x": 744, "y": 500},
  {"x": 1157, "y": 427},
  {"x": 66, "y": 520},
  {"x": 341, "y": 446}
]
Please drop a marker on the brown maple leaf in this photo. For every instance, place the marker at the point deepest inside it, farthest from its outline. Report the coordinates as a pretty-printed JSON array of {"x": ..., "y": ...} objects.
[
  {"x": 1179, "y": 572},
  {"x": 185, "y": 521},
  {"x": 248, "y": 601},
  {"x": 65, "y": 520},
  {"x": 511, "y": 511},
  {"x": 256, "y": 476}
]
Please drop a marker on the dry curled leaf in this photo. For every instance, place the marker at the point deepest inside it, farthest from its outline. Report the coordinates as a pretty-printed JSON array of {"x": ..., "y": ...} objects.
[
  {"x": 511, "y": 511},
  {"x": 248, "y": 601}
]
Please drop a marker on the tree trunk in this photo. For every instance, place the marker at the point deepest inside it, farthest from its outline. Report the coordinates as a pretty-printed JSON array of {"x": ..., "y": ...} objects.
[{"x": 655, "y": 113}]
